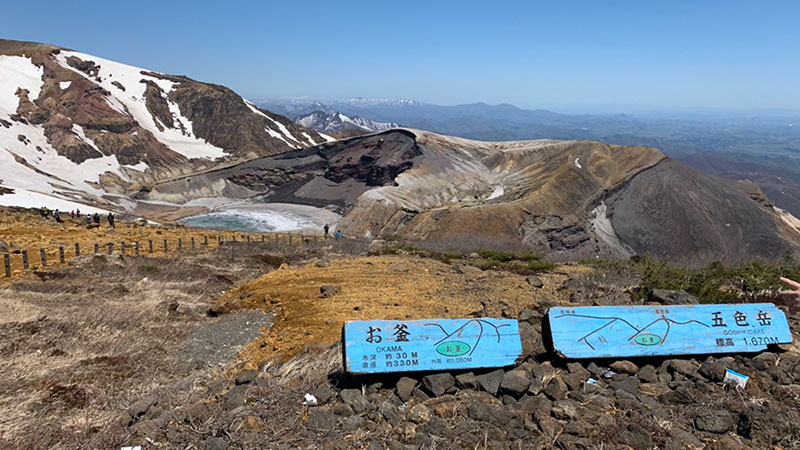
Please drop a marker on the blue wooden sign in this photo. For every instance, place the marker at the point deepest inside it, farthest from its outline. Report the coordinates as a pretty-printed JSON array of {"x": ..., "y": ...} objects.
[
  {"x": 620, "y": 331},
  {"x": 374, "y": 346}
]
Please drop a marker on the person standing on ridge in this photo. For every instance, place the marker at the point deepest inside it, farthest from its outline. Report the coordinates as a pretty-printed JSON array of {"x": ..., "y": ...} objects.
[
  {"x": 96, "y": 219},
  {"x": 111, "y": 220},
  {"x": 326, "y": 228}
]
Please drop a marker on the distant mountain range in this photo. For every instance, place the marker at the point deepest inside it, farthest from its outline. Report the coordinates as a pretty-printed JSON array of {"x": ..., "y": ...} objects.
[{"x": 336, "y": 122}]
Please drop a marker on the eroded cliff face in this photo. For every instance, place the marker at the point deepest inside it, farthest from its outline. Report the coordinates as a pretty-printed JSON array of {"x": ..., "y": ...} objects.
[{"x": 86, "y": 126}]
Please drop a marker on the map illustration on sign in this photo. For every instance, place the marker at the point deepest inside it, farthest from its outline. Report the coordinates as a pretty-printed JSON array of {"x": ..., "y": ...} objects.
[
  {"x": 614, "y": 331},
  {"x": 431, "y": 344}
]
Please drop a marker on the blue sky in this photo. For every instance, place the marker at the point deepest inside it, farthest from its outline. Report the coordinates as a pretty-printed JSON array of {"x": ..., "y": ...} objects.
[{"x": 560, "y": 54}]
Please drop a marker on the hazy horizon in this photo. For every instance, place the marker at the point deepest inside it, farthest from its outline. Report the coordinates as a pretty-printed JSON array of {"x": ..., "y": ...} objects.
[{"x": 584, "y": 57}]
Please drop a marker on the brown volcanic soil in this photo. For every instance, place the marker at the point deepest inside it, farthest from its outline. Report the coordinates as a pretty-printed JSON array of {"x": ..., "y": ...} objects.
[
  {"x": 671, "y": 210},
  {"x": 378, "y": 287}
]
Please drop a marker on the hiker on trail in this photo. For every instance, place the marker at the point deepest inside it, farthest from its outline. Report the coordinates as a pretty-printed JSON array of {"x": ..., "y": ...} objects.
[
  {"x": 88, "y": 219},
  {"x": 72, "y": 214},
  {"x": 111, "y": 220},
  {"x": 338, "y": 234},
  {"x": 790, "y": 298},
  {"x": 57, "y": 216},
  {"x": 96, "y": 219},
  {"x": 78, "y": 214},
  {"x": 326, "y": 228}
]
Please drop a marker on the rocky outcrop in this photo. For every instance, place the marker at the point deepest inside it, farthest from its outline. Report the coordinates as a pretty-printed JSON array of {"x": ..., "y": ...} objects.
[{"x": 119, "y": 128}]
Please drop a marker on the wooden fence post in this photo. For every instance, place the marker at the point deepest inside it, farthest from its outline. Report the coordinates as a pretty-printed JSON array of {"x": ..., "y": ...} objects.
[
  {"x": 219, "y": 239},
  {"x": 165, "y": 246},
  {"x": 61, "y": 254},
  {"x": 290, "y": 239},
  {"x": 77, "y": 249},
  {"x": 180, "y": 244},
  {"x": 136, "y": 247},
  {"x": 96, "y": 248},
  {"x": 110, "y": 247},
  {"x": 262, "y": 238},
  {"x": 7, "y": 261},
  {"x": 192, "y": 242},
  {"x": 150, "y": 243},
  {"x": 25, "y": 259},
  {"x": 234, "y": 238},
  {"x": 248, "y": 238},
  {"x": 205, "y": 241},
  {"x": 122, "y": 247},
  {"x": 43, "y": 257}
]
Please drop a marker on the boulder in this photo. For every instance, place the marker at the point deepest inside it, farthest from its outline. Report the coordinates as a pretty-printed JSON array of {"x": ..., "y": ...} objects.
[
  {"x": 670, "y": 297},
  {"x": 405, "y": 387},
  {"x": 556, "y": 389},
  {"x": 515, "y": 382},
  {"x": 246, "y": 376},
  {"x": 437, "y": 384},
  {"x": 647, "y": 374},
  {"x": 215, "y": 443},
  {"x": 490, "y": 382},
  {"x": 625, "y": 367},
  {"x": 712, "y": 369},
  {"x": 328, "y": 290},
  {"x": 466, "y": 381},
  {"x": 715, "y": 421},
  {"x": 534, "y": 281}
]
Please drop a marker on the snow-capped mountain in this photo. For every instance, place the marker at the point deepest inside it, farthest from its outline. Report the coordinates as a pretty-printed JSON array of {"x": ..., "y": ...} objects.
[
  {"x": 335, "y": 122},
  {"x": 85, "y": 128}
]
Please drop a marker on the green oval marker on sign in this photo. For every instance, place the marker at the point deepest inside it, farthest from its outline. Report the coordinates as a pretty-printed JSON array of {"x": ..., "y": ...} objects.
[
  {"x": 452, "y": 348},
  {"x": 647, "y": 339}
]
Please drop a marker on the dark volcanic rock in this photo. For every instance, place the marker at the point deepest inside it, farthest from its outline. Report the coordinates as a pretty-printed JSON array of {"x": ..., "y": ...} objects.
[
  {"x": 515, "y": 382},
  {"x": 637, "y": 437},
  {"x": 490, "y": 382},
  {"x": 405, "y": 386},
  {"x": 668, "y": 297},
  {"x": 715, "y": 421},
  {"x": 438, "y": 384}
]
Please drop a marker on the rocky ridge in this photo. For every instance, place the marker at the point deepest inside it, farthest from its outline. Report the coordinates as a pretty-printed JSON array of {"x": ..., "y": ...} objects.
[{"x": 85, "y": 128}]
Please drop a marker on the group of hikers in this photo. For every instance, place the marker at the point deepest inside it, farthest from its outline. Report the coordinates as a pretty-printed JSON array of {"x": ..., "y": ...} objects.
[
  {"x": 90, "y": 219},
  {"x": 337, "y": 234}
]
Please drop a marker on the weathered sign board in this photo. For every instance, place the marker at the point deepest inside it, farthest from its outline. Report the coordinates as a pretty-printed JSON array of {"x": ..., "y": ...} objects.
[
  {"x": 375, "y": 346},
  {"x": 620, "y": 331}
]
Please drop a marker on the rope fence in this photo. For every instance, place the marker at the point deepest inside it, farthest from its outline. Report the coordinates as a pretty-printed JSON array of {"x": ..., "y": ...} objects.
[{"x": 20, "y": 259}]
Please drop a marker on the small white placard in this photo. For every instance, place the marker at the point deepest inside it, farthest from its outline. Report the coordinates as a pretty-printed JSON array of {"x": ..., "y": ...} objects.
[{"x": 735, "y": 378}]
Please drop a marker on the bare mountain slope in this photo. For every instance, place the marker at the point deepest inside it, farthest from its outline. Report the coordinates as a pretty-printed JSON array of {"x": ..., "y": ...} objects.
[
  {"x": 80, "y": 127},
  {"x": 570, "y": 199}
]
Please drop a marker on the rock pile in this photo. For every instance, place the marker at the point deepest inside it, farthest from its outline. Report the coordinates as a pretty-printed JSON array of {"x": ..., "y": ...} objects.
[{"x": 544, "y": 402}]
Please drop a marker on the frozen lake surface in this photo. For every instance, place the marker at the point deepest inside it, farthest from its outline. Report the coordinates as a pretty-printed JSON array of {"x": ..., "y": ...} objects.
[{"x": 265, "y": 217}]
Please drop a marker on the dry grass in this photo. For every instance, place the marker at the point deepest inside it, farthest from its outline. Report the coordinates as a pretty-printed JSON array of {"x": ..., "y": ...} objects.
[
  {"x": 377, "y": 287},
  {"x": 81, "y": 344}
]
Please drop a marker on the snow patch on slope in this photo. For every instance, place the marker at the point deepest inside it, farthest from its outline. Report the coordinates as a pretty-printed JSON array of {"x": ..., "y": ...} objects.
[
  {"x": 577, "y": 163},
  {"x": 604, "y": 229},
  {"x": 18, "y": 72},
  {"x": 29, "y": 199},
  {"x": 282, "y": 133},
  {"x": 180, "y": 140}
]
